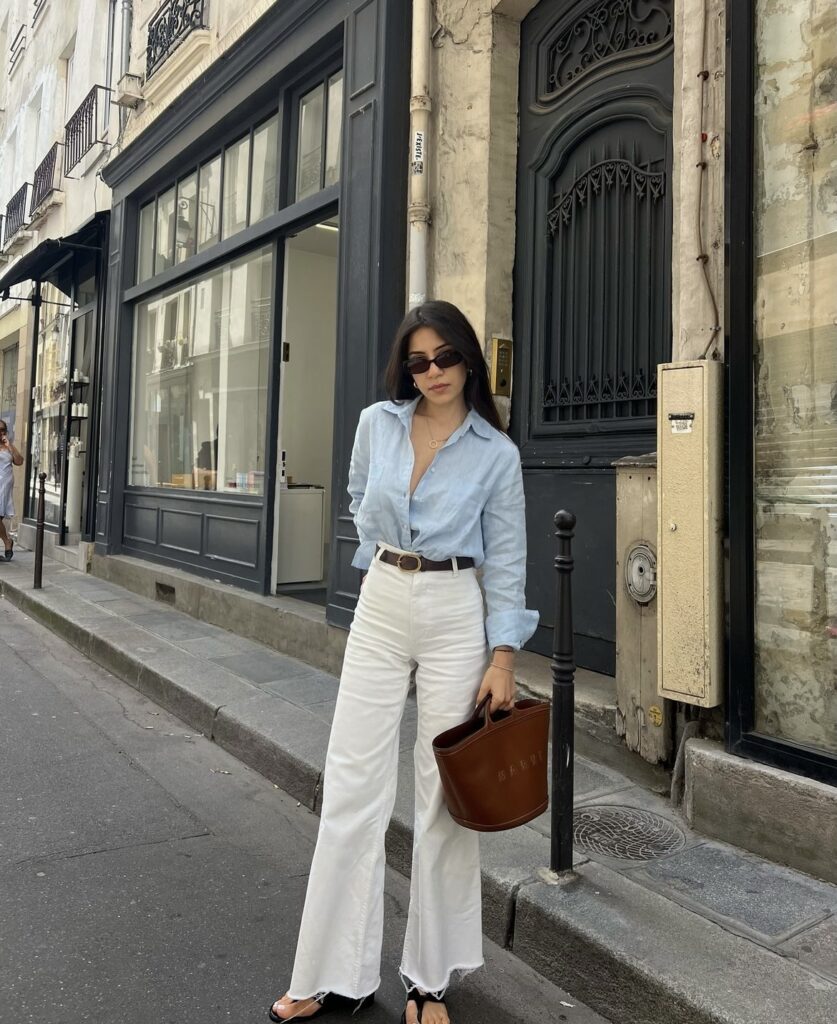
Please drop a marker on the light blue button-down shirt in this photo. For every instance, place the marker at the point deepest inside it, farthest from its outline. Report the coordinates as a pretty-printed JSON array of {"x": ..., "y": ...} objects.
[{"x": 469, "y": 503}]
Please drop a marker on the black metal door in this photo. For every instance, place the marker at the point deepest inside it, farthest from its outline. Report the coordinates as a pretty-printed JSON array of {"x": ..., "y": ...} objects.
[{"x": 592, "y": 282}]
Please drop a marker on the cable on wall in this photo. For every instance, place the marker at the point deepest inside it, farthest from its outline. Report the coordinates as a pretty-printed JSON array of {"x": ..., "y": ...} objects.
[{"x": 702, "y": 166}]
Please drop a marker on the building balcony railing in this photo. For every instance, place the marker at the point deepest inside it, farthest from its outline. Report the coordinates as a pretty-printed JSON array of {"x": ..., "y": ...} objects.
[
  {"x": 47, "y": 178},
  {"x": 16, "y": 213},
  {"x": 17, "y": 48},
  {"x": 172, "y": 23},
  {"x": 81, "y": 133},
  {"x": 38, "y": 9}
]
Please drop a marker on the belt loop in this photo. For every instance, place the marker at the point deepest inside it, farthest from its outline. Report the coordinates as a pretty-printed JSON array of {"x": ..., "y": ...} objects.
[
  {"x": 379, "y": 554},
  {"x": 455, "y": 563}
]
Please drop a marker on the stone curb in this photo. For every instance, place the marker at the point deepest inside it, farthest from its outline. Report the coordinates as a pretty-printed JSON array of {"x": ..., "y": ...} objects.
[{"x": 620, "y": 948}]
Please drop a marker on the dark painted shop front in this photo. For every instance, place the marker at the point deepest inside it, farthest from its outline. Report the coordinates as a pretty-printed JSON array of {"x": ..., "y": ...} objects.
[{"x": 254, "y": 287}]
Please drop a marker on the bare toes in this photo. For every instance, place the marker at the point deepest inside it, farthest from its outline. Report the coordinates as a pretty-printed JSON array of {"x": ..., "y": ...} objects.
[{"x": 435, "y": 1013}]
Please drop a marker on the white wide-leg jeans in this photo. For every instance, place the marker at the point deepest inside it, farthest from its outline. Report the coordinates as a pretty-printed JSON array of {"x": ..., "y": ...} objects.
[{"x": 432, "y": 621}]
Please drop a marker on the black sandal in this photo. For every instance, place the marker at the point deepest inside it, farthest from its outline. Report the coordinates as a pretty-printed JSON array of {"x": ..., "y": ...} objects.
[
  {"x": 419, "y": 998},
  {"x": 330, "y": 1003}
]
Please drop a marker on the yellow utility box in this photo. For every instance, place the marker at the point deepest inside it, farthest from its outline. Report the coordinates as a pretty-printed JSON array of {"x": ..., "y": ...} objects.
[{"x": 690, "y": 444}]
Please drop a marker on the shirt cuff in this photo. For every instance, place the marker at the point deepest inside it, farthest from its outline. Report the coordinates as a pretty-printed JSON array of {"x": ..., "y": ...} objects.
[
  {"x": 364, "y": 555},
  {"x": 511, "y": 628}
]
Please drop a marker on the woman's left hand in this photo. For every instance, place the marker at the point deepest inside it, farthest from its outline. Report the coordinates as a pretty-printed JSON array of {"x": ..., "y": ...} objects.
[{"x": 500, "y": 684}]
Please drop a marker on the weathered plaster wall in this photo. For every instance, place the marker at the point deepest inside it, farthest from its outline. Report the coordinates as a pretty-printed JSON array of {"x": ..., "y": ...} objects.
[
  {"x": 474, "y": 158},
  {"x": 65, "y": 55},
  {"x": 228, "y": 21},
  {"x": 693, "y": 316}
]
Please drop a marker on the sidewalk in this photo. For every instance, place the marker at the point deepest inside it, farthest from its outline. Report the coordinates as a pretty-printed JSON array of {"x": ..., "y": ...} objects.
[{"x": 656, "y": 926}]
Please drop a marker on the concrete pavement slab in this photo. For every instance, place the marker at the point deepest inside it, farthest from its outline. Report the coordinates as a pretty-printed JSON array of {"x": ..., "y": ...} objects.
[
  {"x": 264, "y": 666},
  {"x": 741, "y": 891},
  {"x": 817, "y": 948},
  {"x": 664, "y": 964}
]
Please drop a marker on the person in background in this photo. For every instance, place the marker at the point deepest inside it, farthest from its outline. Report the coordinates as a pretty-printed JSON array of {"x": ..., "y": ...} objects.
[{"x": 9, "y": 457}]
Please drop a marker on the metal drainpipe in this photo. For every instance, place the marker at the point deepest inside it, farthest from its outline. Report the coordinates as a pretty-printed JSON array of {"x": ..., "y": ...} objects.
[
  {"x": 420, "y": 107},
  {"x": 125, "y": 61}
]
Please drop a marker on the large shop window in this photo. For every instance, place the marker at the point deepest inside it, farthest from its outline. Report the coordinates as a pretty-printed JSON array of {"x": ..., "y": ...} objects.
[
  {"x": 216, "y": 200},
  {"x": 8, "y": 387},
  {"x": 199, "y": 394},
  {"x": 795, "y": 374},
  {"x": 320, "y": 117},
  {"x": 49, "y": 412}
]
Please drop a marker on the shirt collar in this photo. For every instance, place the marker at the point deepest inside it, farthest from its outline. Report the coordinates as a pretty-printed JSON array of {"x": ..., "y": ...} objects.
[{"x": 405, "y": 411}]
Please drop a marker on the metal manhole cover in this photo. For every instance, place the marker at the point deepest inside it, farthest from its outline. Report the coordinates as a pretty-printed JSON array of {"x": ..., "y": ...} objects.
[{"x": 626, "y": 833}]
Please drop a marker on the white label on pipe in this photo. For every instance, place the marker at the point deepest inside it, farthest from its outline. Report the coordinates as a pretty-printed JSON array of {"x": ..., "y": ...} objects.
[{"x": 418, "y": 153}]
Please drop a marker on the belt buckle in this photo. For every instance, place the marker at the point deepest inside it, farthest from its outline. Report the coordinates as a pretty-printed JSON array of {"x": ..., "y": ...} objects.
[{"x": 404, "y": 568}]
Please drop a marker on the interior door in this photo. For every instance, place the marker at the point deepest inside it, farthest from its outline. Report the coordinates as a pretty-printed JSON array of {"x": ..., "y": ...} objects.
[{"x": 592, "y": 282}]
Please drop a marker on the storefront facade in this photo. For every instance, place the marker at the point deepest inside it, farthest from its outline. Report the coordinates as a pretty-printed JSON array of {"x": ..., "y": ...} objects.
[
  {"x": 782, "y": 359},
  {"x": 65, "y": 282},
  {"x": 269, "y": 173}
]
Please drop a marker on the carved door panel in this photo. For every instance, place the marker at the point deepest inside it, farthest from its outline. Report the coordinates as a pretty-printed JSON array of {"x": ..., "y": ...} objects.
[{"x": 592, "y": 281}]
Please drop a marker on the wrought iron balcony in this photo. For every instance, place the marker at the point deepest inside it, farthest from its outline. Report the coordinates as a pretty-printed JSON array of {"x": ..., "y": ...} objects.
[
  {"x": 81, "y": 132},
  {"x": 16, "y": 213},
  {"x": 47, "y": 177},
  {"x": 172, "y": 23},
  {"x": 17, "y": 48}
]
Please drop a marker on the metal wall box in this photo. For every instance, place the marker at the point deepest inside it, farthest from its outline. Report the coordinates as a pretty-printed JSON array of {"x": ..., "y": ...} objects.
[
  {"x": 690, "y": 519},
  {"x": 642, "y": 718},
  {"x": 501, "y": 367}
]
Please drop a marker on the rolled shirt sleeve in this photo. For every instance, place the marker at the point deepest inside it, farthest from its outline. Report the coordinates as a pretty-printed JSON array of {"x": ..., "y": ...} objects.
[
  {"x": 358, "y": 476},
  {"x": 508, "y": 621}
]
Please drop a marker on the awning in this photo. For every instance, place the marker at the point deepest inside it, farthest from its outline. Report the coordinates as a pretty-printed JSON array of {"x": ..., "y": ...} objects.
[{"x": 43, "y": 260}]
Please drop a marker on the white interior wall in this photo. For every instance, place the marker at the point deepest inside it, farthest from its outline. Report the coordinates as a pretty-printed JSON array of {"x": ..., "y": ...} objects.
[{"x": 307, "y": 422}]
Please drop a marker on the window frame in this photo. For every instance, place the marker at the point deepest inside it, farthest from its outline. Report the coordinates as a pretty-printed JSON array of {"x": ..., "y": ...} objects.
[
  {"x": 318, "y": 76},
  {"x": 741, "y": 735}
]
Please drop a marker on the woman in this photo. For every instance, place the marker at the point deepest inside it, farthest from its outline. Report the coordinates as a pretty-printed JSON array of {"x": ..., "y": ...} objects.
[
  {"x": 9, "y": 456},
  {"x": 436, "y": 492}
]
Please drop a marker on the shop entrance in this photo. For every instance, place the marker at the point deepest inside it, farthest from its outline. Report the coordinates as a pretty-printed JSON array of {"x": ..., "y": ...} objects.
[{"x": 306, "y": 414}]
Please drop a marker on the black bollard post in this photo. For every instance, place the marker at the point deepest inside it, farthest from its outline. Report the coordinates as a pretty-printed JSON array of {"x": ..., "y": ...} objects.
[
  {"x": 563, "y": 699},
  {"x": 39, "y": 533}
]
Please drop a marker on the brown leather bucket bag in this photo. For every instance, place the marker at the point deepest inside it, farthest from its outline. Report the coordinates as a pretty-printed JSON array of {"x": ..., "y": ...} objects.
[{"x": 493, "y": 767}]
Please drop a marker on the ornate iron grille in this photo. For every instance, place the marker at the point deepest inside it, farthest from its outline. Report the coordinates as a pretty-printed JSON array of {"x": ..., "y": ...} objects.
[
  {"x": 47, "y": 176},
  {"x": 16, "y": 212},
  {"x": 172, "y": 23},
  {"x": 80, "y": 132},
  {"x": 605, "y": 32},
  {"x": 607, "y": 321}
]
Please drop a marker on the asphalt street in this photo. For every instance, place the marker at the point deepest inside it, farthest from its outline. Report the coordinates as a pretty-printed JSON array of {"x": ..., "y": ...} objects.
[{"x": 147, "y": 876}]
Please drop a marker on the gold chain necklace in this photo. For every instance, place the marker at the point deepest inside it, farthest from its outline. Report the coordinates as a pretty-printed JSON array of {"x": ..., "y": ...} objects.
[{"x": 434, "y": 444}]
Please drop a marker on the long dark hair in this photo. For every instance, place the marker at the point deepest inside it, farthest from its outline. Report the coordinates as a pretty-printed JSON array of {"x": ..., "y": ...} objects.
[{"x": 453, "y": 327}]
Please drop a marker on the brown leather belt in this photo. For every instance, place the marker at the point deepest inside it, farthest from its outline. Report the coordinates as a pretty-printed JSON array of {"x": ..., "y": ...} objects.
[{"x": 418, "y": 563}]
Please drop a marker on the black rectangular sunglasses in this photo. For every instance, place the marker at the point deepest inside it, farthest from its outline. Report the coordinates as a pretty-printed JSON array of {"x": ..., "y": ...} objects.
[{"x": 421, "y": 364}]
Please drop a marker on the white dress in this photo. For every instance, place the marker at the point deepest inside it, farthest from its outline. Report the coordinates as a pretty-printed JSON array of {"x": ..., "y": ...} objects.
[{"x": 7, "y": 483}]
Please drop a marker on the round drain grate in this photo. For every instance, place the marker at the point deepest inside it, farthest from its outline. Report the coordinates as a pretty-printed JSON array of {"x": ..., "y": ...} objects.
[{"x": 626, "y": 833}]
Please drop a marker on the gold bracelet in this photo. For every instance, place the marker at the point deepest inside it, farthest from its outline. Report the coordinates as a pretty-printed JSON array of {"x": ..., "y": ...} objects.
[{"x": 502, "y": 669}]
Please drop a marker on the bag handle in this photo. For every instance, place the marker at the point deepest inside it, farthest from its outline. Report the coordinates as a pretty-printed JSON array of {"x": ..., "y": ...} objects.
[{"x": 482, "y": 711}]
